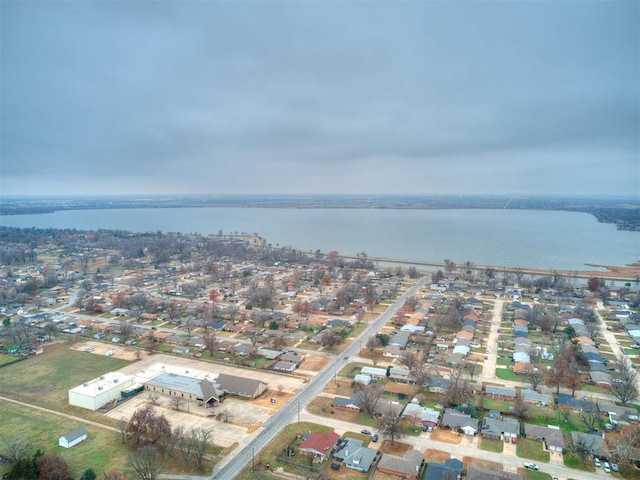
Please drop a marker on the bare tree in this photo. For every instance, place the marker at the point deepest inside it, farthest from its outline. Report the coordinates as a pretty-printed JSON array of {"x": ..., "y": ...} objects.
[
  {"x": 372, "y": 345},
  {"x": 368, "y": 397},
  {"x": 146, "y": 463},
  {"x": 176, "y": 402},
  {"x": 390, "y": 426},
  {"x": 534, "y": 376},
  {"x": 624, "y": 385},
  {"x": 16, "y": 448}
]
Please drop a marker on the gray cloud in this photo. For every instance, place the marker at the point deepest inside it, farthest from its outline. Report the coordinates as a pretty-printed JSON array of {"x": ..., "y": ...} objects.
[{"x": 234, "y": 97}]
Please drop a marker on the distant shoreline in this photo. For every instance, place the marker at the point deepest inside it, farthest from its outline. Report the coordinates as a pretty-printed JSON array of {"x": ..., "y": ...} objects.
[{"x": 624, "y": 212}]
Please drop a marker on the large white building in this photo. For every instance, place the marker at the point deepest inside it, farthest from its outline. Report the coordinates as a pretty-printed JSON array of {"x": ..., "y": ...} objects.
[{"x": 100, "y": 391}]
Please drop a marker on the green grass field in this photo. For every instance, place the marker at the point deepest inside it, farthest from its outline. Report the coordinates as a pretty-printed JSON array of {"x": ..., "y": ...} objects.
[
  {"x": 45, "y": 379},
  {"x": 102, "y": 449}
]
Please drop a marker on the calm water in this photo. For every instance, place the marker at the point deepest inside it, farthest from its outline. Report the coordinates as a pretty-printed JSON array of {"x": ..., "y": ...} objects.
[{"x": 511, "y": 238}]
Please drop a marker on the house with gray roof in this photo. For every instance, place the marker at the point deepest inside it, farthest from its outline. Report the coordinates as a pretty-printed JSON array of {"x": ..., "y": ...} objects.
[
  {"x": 500, "y": 428},
  {"x": 400, "y": 339},
  {"x": 493, "y": 391},
  {"x": 401, "y": 374},
  {"x": 594, "y": 442},
  {"x": 553, "y": 437},
  {"x": 343, "y": 403},
  {"x": 428, "y": 417},
  {"x": 451, "y": 468},
  {"x": 457, "y": 420},
  {"x": 531, "y": 396},
  {"x": 354, "y": 455},
  {"x": 374, "y": 372},
  {"x": 409, "y": 467}
]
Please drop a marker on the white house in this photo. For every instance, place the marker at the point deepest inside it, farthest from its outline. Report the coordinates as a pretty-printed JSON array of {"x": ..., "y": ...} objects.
[
  {"x": 100, "y": 391},
  {"x": 73, "y": 437}
]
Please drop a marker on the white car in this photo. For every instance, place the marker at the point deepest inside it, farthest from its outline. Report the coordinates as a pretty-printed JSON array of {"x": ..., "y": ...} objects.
[
  {"x": 607, "y": 467},
  {"x": 596, "y": 461},
  {"x": 530, "y": 466}
]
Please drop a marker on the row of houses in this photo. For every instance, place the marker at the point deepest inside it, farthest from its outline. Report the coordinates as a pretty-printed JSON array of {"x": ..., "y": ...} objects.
[{"x": 351, "y": 453}]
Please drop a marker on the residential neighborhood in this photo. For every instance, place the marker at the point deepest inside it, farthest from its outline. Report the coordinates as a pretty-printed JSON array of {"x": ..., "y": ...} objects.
[{"x": 474, "y": 375}]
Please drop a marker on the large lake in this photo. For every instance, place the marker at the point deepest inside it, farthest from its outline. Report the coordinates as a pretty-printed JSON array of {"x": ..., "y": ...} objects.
[{"x": 510, "y": 238}]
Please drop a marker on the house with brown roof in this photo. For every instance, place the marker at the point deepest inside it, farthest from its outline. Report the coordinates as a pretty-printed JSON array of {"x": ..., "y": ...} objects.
[{"x": 320, "y": 445}]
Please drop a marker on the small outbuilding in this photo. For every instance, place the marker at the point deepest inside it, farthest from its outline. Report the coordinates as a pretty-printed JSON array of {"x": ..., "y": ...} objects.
[{"x": 73, "y": 437}]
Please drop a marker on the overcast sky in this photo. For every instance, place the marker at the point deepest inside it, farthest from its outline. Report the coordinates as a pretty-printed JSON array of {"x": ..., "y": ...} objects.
[{"x": 420, "y": 97}]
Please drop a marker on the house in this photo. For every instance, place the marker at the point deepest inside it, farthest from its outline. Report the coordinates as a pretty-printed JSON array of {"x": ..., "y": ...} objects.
[
  {"x": 268, "y": 353},
  {"x": 457, "y": 420},
  {"x": 400, "y": 339},
  {"x": 286, "y": 367},
  {"x": 504, "y": 393},
  {"x": 354, "y": 455},
  {"x": 474, "y": 473},
  {"x": 426, "y": 416},
  {"x": 531, "y": 396},
  {"x": 241, "y": 386},
  {"x": 73, "y": 437},
  {"x": 407, "y": 467},
  {"x": 180, "y": 350},
  {"x": 438, "y": 385},
  {"x": 339, "y": 323},
  {"x": 342, "y": 403},
  {"x": 401, "y": 375},
  {"x": 552, "y": 436},
  {"x": 594, "y": 442},
  {"x": 451, "y": 468},
  {"x": 293, "y": 357},
  {"x": 500, "y": 428},
  {"x": 374, "y": 372},
  {"x": 571, "y": 403},
  {"x": 363, "y": 379},
  {"x": 320, "y": 445}
]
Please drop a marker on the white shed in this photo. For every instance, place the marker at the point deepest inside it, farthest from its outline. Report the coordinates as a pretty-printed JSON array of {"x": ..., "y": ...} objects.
[{"x": 73, "y": 437}]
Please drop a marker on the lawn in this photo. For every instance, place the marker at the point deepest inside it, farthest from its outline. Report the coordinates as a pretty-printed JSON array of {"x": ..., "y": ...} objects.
[
  {"x": 534, "y": 475},
  {"x": 531, "y": 449},
  {"x": 491, "y": 445},
  {"x": 573, "y": 461},
  {"x": 7, "y": 359},
  {"x": 102, "y": 449},
  {"x": 45, "y": 379},
  {"x": 506, "y": 374}
]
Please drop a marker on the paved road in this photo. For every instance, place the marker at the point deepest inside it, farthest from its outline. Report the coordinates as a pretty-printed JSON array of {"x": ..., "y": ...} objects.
[
  {"x": 245, "y": 455},
  {"x": 489, "y": 364}
]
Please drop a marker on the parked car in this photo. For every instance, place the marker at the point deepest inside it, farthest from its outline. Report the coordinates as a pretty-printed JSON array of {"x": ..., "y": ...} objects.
[
  {"x": 374, "y": 438},
  {"x": 607, "y": 467},
  {"x": 365, "y": 432},
  {"x": 596, "y": 460},
  {"x": 530, "y": 466},
  {"x": 614, "y": 467}
]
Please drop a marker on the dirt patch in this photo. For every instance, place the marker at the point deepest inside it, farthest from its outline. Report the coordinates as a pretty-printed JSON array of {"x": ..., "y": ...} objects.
[
  {"x": 396, "y": 387},
  {"x": 397, "y": 448},
  {"x": 342, "y": 388},
  {"x": 479, "y": 463},
  {"x": 437, "y": 456},
  {"x": 315, "y": 363},
  {"x": 112, "y": 350},
  {"x": 443, "y": 435}
]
